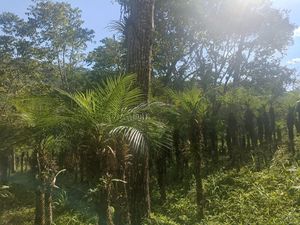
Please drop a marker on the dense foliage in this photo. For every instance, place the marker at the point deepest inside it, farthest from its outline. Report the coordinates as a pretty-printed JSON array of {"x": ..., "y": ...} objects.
[{"x": 193, "y": 122}]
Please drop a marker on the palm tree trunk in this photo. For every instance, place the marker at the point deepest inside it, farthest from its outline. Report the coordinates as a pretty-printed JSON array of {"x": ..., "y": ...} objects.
[
  {"x": 22, "y": 162},
  {"x": 82, "y": 167},
  {"x": 139, "y": 189},
  {"x": 161, "y": 174},
  {"x": 290, "y": 126},
  {"x": 178, "y": 156},
  {"x": 122, "y": 214},
  {"x": 104, "y": 213},
  {"x": 214, "y": 144},
  {"x": 40, "y": 206},
  {"x": 27, "y": 161},
  {"x": 13, "y": 161},
  {"x": 195, "y": 135},
  {"x": 199, "y": 186},
  {"x": 4, "y": 164},
  {"x": 48, "y": 206}
]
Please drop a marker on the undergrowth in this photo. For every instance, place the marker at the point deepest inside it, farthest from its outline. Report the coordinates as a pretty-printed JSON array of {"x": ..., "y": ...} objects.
[{"x": 267, "y": 197}]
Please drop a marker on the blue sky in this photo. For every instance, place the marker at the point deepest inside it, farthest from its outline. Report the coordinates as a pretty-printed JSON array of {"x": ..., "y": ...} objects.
[
  {"x": 293, "y": 53},
  {"x": 97, "y": 14}
]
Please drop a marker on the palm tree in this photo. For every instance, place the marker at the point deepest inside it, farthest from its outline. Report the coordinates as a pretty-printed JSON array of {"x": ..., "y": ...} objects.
[
  {"x": 37, "y": 117},
  {"x": 113, "y": 115},
  {"x": 112, "y": 119},
  {"x": 191, "y": 106}
]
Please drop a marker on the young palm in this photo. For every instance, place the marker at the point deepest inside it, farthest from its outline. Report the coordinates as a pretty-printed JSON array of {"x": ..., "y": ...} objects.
[
  {"x": 110, "y": 117},
  {"x": 190, "y": 107}
]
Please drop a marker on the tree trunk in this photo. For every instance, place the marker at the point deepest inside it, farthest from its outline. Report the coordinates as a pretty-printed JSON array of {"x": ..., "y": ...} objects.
[
  {"x": 13, "y": 161},
  {"x": 272, "y": 123},
  {"x": 105, "y": 213},
  {"x": 81, "y": 167},
  {"x": 4, "y": 164},
  {"x": 139, "y": 35},
  {"x": 139, "y": 189},
  {"x": 122, "y": 214},
  {"x": 195, "y": 136},
  {"x": 214, "y": 144},
  {"x": 199, "y": 186},
  {"x": 26, "y": 161},
  {"x": 48, "y": 206},
  {"x": 290, "y": 126},
  {"x": 161, "y": 174},
  {"x": 40, "y": 206},
  {"x": 267, "y": 130},
  {"x": 139, "y": 38},
  {"x": 279, "y": 135},
  {"x": 22, "y": 162},
  {"x": 178, "y": 155},
  {"x": 260, "y": 130},
  {"x": 232, "y": 140}
]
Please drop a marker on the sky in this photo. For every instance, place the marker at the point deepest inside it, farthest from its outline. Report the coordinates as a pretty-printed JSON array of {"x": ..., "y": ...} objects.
[
  {"x": 97, "y": 15},
  {"x": 293, "y": 54}
]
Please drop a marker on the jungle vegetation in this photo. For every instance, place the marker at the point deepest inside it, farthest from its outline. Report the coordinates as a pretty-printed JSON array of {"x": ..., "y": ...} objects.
[{"x": 186, "y": 116}]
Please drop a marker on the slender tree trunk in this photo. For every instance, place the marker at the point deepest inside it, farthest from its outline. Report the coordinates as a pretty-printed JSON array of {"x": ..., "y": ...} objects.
[
  {"x": 214, "y": 144},
  {"x": 290, "y": 126},
  {"x": 81, "y": 167},
  {"x": 178, "y": 155},
  {"x": 26, "y": 161},
  {"x": 272, "y": 123},
  {"x": 195, "y": 136},
  {"x": 297, "y": 121},
  {"x": 260, "y": 130},
  {"x": 108, "y": 209},
  {"x": 232, "y": 139},
  {"x": 122, "y": 214},
  {"x": 199, "y": 186},
  {"x": 139, "y": 189},
  {"x": 13, "y": 161},
  {"x": 161, "y": 174},
  {"x": 4, "y": 164},
  {"x": 22, "y": 162},
  {"x": 9, "y": 158},
  {"x": 279, "y": 135}
]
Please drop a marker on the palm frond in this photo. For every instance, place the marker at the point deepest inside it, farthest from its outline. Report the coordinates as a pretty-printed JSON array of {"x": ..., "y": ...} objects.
[
  {"x": 117, "y": 26},
  {"x": 135, "y": 137}
]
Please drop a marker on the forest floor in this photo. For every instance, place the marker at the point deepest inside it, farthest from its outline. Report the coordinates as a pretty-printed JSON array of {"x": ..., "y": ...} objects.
[{"x": 267, "y": 197}]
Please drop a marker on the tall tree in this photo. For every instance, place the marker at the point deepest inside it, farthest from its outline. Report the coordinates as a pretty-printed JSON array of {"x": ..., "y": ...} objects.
[
  {"x": 139, "y": 39},
  {"x": 53, "y": 34},
  {"x": 58, "y": 30},
  {"x": 139, "y": 29}
]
